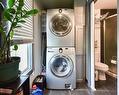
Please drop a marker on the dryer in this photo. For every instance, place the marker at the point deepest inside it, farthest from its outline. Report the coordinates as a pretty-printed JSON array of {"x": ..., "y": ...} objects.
[
  {"x": 60, "y": 28},
  {"x": 60, "y": 68}
]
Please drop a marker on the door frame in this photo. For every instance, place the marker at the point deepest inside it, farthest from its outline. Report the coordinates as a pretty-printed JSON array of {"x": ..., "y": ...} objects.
[{"x": 90, "y": 70}]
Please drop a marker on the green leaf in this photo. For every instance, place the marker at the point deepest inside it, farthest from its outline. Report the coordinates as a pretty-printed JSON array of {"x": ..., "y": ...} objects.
[
  {"x": 32, "y": 12},
  {"x": 19, "y": 8},
  {"x": 15, "y": 47},
  {"x": 1, "y": 7},
  {"x": 18, "y": 12},
  {"x": 16, "y": 19},
  {"x": 11, "y": 10},
  {"x": 25, "y": 16},
  {"x": 14, "y": 24},
  {"x": 22, "y": 21},
  {"x": 11, "y": 34},
  {"x": 18, "y": 26},
  {"x": 21, "y": 3},
  {"x": 8, "y": 16},
  {"x": 11, "y": 3}
]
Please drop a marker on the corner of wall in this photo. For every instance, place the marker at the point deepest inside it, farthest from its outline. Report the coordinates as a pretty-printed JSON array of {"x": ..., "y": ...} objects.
[{"x": 36, "y": 46}]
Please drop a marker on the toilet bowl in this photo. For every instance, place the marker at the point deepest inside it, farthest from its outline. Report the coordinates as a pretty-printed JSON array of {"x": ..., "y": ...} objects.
[{"x": 100, "y": 69}]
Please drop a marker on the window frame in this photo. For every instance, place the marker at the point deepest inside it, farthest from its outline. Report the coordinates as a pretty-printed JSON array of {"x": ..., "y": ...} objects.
[{"x": 29, "y": 69}]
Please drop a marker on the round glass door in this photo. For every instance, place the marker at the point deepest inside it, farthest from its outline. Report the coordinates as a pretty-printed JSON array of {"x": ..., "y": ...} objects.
[
  {"x": 61, "y": 66},
  {"x": 60, "y": 25}
]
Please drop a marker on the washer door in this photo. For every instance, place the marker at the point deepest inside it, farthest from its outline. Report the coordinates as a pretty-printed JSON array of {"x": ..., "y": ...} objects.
[
  {"x": 61, "y": 66},
  {"x": 60, "y": 25}
]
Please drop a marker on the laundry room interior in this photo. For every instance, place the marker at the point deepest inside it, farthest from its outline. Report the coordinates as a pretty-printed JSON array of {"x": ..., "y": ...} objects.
[
  {"x": 74, "y": 49},
  {"x": 49, "y": 44},
  {"x": 76, "y": 38}
]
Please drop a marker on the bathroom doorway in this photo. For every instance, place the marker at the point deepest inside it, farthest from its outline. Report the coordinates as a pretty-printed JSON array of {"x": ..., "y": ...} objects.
[{"x": 105, "y": 45}]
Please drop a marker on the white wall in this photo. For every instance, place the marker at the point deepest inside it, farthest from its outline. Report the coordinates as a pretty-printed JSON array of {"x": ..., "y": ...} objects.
[
  {"x": 79, "y": 11},
  {"x": 97, "y": 35},
  {"x": 36, "y": 46}
]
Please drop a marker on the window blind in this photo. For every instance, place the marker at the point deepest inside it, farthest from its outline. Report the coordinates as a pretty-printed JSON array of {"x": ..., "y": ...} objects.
[{"x": 24, "y": 34}]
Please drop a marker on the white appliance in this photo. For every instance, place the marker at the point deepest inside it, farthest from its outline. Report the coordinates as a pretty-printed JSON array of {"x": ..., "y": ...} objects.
[
  {"x": 60, "y": 68},
  {"x": 60, "y": 28}
]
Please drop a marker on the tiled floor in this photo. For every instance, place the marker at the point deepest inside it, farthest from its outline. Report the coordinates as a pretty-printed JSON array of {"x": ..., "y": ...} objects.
[{"x": 107, "y": 87}]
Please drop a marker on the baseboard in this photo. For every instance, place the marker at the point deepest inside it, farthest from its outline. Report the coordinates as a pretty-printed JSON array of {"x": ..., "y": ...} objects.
[{"x": 111, "y": 74}]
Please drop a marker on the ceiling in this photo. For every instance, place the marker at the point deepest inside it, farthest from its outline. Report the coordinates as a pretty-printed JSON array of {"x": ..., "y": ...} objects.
[
  {"x": 50, "y": 4},
  {"x": 106, "y": 4},
  {"x": 100, "y": 4}
]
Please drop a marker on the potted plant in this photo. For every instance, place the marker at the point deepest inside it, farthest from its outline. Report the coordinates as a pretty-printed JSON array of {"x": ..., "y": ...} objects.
[{"x": 14, "y": 14}]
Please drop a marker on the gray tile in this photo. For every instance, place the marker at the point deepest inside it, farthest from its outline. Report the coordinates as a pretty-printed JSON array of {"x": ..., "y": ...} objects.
[
  {"x": 107, "y": 87},
  {"x": 80, "y": 92},
  {"x": 59, "y": 92}
]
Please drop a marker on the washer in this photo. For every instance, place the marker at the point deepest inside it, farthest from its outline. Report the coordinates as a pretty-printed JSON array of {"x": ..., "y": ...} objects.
[
  {"x": 60, "y": 28},
  {"x": 60, "y": 68}
]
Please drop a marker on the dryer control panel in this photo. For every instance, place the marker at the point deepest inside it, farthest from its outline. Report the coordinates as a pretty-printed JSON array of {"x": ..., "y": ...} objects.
[{"x": 60, "y": 50}]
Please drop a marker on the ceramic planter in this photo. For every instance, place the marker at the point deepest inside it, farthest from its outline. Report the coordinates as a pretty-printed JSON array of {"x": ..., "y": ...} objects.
[{"x": 9, "y": 71}]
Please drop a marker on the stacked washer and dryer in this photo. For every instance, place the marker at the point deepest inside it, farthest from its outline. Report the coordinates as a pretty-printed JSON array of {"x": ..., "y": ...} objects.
[{"x": 60, "y": 61}]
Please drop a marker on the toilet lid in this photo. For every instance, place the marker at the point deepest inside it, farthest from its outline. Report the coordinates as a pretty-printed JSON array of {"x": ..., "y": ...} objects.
[{"x": 99, "y": 65}]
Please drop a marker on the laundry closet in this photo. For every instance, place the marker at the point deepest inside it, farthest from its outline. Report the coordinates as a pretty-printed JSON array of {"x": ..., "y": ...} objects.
[
  {"x": 59, "y": 21},
  {"x": 63, "y": 43}
]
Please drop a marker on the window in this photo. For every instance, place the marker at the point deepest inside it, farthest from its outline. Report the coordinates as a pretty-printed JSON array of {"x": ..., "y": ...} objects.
[
  {"x": 25, "y": 33},
  {"x": 25, "y": 53},
  {"x": 23, "y": 36}
]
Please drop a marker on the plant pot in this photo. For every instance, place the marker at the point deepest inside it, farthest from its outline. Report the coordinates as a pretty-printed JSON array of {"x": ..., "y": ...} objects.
[{"x": 9, "y": 71}]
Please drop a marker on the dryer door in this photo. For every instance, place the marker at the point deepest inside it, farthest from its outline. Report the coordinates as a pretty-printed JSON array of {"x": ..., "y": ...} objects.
[
  {"x": 61, "y": 66},
  {"x": 60, "y": 25}
]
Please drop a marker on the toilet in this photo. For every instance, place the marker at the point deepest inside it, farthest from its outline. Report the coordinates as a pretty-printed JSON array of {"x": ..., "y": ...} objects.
[{"x": 100, "y": 69}]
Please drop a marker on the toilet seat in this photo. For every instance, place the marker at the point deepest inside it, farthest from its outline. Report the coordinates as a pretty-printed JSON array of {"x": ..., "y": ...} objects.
[{"x": 101, "y": 66}]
